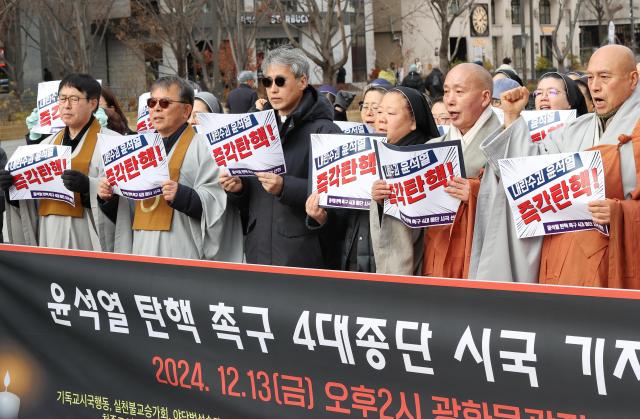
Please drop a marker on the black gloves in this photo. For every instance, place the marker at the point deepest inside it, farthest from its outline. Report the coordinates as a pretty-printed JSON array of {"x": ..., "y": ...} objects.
[
  {"x": 6, "y": 179},
  {"x": 75, "y": 181}
]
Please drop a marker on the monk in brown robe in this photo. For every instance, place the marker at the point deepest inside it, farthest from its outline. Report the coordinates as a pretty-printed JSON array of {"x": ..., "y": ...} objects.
[{"x": 589, "y": 257}]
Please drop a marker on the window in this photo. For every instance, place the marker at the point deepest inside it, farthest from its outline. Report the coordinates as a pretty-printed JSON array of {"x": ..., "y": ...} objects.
[
  {"x": 545, "y": 12},
  {"x": 515, "y": 12},
  {"x": 546, "y": 43},
  {"x": 493, "y": 12}
]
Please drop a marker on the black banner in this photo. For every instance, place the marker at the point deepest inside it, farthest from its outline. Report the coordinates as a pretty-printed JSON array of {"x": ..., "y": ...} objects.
[{"x": 89, "y": 335}]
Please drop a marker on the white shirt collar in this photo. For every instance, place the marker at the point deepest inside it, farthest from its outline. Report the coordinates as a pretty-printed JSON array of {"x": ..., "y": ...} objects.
[{"x": 454, "y": 132}]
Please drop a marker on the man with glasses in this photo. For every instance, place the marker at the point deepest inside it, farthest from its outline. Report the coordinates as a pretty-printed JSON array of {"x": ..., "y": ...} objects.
[
  {"x": 51, "y": 223},
  {"x": 277, "y": 233},
  {"x": 579, "y": 258},
  {"x": 190, "y": 219}
]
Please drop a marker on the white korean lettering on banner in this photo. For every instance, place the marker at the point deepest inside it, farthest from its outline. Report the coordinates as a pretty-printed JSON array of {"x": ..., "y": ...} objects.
[
  {"x": 549, "y": 194},
  {"x": 353, "y": 127},
  {"x": 144, "y": 118},
  {"x": 543, "y": 123},
  {"x": 244, "y": 143},
  {"x": 343, "y": 169},
  {"x": 418, "y": 176},
  {"x": 37, "y": 172},
  {"x": 49, "y": 118},
  {"x": 135, "y": 165}
]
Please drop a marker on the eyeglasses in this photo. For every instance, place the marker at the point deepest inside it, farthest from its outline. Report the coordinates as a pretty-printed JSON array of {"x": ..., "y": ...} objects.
[
  {"x": 366, "y": 107},
  {"x": 268, "y": 81},
  {"x": 72, "y": 99},
  {"x": 164, "y": 102},
  {"x": 549, "y": 92}
]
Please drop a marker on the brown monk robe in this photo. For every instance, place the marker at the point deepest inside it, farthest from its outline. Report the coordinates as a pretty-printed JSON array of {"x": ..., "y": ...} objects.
[
  {"x": 447, "y": 249},
  {"x": 590, "y": 258}
]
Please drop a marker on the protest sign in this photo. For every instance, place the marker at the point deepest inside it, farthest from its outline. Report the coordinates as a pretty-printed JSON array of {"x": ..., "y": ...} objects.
[
  {"x": 542, "y": 123},
  {"x": 49, "y": 118},
  {"x": 135, "y": 165},
  {"x": 348, "y": 127},
  {"x": 144, "y": 118},
  {"x": 37, "y": 171},
  {"x": 244, "y": 143},
  {"x": 417, "y": 176},
  {"x": 549, "y": 194},
  {"x": 343, "y": 169}
]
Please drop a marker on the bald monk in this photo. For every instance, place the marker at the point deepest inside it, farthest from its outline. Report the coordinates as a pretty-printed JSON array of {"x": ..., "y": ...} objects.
[
  {"x": 580, "y": 258},
  {"x": 399, "y": 249}
]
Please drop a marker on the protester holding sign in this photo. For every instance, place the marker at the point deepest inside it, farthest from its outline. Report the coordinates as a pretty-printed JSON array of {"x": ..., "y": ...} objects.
[
  {"x": 190, "y": 219},
  {"x": 277, "y": 233},
  {"x": 584, "y": 257},
  {"x": 404, "y": 116},
  {"x": 344, "y": 169},
  {"x": 53, "y": 223}
]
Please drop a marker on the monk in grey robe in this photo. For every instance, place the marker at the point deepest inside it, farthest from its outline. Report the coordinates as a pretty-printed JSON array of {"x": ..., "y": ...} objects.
[
  {"x": 497, "y": 253},
  {"x": 191, "y": 218},
  {"x": 50, "y": 223}
]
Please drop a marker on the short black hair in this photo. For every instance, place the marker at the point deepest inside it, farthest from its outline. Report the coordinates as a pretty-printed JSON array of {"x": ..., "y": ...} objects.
[{"x": 84, "y": 83}]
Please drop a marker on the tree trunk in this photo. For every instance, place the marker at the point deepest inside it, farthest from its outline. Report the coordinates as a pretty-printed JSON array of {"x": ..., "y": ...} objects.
[{"x": 444, "y": 50}]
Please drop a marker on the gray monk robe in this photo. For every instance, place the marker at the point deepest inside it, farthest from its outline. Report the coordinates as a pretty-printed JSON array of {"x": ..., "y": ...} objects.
[
  {"x": 153, "y": 228},
  {"x": 399, "y": 249},
  {"x": 497, "y": 253},
  {"x": 49, "y": 223}
]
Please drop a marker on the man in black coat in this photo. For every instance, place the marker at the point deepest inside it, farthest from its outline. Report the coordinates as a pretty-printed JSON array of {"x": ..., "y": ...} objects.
[
  {"x": 243, "y": 97},
  {"x": 277, "y": 233}
]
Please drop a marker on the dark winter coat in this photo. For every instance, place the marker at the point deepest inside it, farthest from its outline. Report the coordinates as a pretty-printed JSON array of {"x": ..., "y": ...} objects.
[
  {"x": 414, "y": 81},
  {"x": 241, "y": 99}
]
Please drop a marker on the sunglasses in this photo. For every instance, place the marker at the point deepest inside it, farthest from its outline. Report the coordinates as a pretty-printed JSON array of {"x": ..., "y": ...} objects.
[
  {"x": 164, "y": 102},
  {"x": 268, "y": 81}
]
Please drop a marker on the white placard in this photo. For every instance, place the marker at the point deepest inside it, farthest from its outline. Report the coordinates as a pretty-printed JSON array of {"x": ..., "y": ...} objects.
[
  {"x": 343, "y": 169},
  {"x": 549, "y": 194},
  {"x": 135, "y": 165},
  {"x": 542, "y": 123},
  {"x": 49, "y": 118},
  {"x": 418, "y": 176},
  {"x": 244, "y": 143},
  {"x": 144, "y": 118},
  {"x": 37, "y": 172}
]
